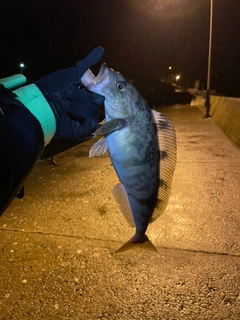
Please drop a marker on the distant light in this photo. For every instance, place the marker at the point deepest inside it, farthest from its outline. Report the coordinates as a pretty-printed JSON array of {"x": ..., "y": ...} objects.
[
  {"x": 177, "y": 77},
  {"x": 21, "y": 67},
  {"x": 170, "y": 67}
]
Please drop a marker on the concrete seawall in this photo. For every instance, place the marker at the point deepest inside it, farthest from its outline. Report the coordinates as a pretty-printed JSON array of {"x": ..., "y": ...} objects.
[{"x": 225, "y": 111}]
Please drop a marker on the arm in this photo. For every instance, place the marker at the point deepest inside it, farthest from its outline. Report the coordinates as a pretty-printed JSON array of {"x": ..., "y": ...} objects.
[{"x": 32, "y": 114}]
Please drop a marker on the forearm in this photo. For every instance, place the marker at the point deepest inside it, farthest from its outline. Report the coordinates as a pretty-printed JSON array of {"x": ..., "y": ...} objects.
[
  {"x": 33, "y": 99},
  {"x": 21, "y": 142}
]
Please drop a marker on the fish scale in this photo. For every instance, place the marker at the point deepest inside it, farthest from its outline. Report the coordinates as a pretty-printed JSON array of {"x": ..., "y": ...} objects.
[{"x": 130, "y": 163}]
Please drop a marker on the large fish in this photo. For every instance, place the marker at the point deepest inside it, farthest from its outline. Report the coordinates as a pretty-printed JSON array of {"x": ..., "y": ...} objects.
[{"x": 142, "y": 147}]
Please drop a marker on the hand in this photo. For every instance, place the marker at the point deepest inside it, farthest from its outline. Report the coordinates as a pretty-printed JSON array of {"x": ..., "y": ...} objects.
[{"x": 76, "y": 109}]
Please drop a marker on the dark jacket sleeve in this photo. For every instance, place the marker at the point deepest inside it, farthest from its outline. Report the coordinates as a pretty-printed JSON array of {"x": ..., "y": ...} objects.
[{"x": 21, "y": 145}]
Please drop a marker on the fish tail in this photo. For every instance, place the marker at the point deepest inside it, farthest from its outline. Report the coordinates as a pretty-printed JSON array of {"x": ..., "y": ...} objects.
[{"x": 146, "y": 244}]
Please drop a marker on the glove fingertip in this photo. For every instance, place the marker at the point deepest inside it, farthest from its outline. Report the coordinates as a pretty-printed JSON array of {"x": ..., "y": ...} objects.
[
  {"x": 97, "y": 54},
  {"x": 93, "y": 57}
]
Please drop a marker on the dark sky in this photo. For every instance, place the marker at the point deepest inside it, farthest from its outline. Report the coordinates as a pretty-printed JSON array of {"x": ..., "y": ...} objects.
[{"x": 140, "y": 37}]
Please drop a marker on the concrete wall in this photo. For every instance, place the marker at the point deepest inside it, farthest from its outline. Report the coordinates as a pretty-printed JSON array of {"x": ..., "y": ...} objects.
[{"x": 225, "y": 112}]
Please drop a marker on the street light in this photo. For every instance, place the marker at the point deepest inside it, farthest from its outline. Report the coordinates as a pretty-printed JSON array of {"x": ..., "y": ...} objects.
[
  {"x": 207, "y": 104},
  {"x": 177, "y": 77},
  {"x": 21, "y": 67},
  {"x": 168, "y": 75}
]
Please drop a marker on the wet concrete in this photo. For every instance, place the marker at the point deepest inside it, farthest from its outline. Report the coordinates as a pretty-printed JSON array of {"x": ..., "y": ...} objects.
[{"x": 57, "y": 244}]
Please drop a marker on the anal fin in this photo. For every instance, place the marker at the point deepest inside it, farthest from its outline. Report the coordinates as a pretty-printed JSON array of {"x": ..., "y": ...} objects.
[{"x": 120, "y": 196}]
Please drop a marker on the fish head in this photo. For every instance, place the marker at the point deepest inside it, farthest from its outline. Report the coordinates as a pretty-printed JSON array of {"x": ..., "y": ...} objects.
[{"x": 120, "y": 95}]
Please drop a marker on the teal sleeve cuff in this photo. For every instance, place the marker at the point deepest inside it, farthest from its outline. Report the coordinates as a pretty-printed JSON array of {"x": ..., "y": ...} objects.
[
  {"x": 36, "y": 103},
  {"x": 14, "y": 81}
]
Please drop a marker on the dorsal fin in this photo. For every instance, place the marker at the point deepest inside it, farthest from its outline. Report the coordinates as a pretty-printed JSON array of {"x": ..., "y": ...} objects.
[
  {"x": 120, "y": 196},
  {"x": 168, "y": 151}
]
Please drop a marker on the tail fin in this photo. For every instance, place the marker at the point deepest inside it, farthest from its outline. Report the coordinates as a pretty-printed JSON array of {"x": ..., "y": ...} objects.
[{"x": 146, "y": 244}]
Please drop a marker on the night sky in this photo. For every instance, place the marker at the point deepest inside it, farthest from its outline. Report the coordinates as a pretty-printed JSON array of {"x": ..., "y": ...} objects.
[{"x": 140, "y": 37}]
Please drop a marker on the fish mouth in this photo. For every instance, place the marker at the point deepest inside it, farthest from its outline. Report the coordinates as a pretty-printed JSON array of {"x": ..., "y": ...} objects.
[{"x": 90, "y": 81}]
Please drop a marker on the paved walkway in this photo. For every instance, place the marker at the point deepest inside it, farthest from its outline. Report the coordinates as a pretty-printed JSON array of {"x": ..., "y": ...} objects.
[{"x": 57, "y": 243}]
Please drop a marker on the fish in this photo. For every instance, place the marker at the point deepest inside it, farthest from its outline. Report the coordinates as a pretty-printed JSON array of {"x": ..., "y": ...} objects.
[{"x": 142, "y": 147}]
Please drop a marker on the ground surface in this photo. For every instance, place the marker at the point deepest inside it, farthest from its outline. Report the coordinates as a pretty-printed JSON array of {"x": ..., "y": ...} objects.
[{"x": 57, "y": 244}]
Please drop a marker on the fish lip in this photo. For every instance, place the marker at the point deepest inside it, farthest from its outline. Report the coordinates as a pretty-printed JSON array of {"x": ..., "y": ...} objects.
[
  {"x": 102, "y": 72},
  {"x": 89, "y": 79}
]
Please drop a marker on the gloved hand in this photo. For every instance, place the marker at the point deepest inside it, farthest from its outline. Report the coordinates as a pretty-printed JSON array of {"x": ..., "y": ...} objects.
[{"x": 76, "y": 109}]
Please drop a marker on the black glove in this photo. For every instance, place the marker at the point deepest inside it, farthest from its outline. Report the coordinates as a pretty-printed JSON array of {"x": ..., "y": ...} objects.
[{"x": 76, "y": 109}]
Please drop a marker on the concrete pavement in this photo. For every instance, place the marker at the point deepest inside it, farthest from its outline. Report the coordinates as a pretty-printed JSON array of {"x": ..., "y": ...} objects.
[{"x": 57, "y": 244}]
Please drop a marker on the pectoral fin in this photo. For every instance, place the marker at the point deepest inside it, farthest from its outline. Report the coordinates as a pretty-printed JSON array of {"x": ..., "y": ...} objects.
[
  {"x": 111, "y": 126},
  {"x": 99, "y": 148}
]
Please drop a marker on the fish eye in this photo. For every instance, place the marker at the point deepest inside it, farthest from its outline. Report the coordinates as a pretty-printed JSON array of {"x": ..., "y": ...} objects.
[{"x": 121, "y": 85}]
